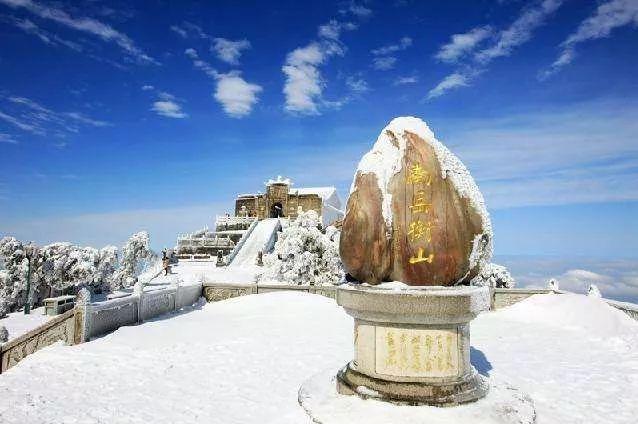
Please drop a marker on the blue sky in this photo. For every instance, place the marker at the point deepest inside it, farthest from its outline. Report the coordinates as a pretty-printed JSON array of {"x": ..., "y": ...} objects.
[{"x": 117, "y": 116}]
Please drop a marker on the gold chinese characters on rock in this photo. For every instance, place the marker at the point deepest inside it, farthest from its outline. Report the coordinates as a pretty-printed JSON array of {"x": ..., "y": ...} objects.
[
  {"x": 416, "y": 352},
  {"x": 420, "y": 224}
]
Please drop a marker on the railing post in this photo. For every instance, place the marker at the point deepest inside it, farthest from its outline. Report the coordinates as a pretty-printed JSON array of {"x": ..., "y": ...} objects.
[
  {"x": 138, "y": 290},
  {"x": 83, "y": 317},
  {"x": 176, "y": 295}
]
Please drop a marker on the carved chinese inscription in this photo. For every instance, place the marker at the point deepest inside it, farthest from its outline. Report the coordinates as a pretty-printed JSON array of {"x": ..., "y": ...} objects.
[{"x": 416, "y": 352}]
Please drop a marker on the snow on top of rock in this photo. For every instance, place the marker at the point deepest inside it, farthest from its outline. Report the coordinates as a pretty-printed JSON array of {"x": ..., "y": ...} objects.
[{"x": 384, "y": 160}]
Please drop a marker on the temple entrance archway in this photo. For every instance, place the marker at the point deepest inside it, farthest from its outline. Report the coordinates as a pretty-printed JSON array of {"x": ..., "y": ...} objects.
[{"x": 277, "y": 210}]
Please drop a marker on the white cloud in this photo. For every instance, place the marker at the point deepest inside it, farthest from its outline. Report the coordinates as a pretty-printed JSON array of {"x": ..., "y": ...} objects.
[
  {"x": 169, "y": 109},
  {"x": 608, "y": 16},
  {"x": 357, "y": 85},
  {"x": 189, "y": 30},
  {"x": 616, "y": 279},
  {"x": 461, "y": 44},
  {"x": 520, "y": 31},
  {"x": 505, "y": 41},
  {"x": 7, "y": 138},
  {"x": 80, "y": 117},
  {"x": 179, "y": 31},
  {"x": 30, "y": 116},
  {"x": 45, "y": 36},
  {"x": 403, "y": 44},
  {"x": 83, "y": 24},
  {"x": 384, "y": 63},
  {"x": 450, "y": 82},
  {"x": 304, "y": 84},
  {"x": 586, "y": 153},
  {"x": 34, "y": 129},
  {"x": 235, "y": 94},
  {"x": 413, "y": 79},
  {"x": 166, "y": 104},
  {"x": 579, "y": 280},
  {"x": 229, "y": 51},
  {"x": 332, "y": 30},
  {"x": 200, "y": 64},
  {"x": 358, "y": 10}
]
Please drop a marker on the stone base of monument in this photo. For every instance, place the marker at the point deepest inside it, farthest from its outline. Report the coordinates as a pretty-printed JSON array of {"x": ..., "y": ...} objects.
[
  {"x": 412, "y": 344},
  {"x": 503, "y": 404},
  {"x": 471, "y": 388}
]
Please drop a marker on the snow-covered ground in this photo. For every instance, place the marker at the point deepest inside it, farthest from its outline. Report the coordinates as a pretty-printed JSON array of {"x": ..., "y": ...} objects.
[
  {"x": 206, "y": 271},
  {"x": 242, "y": 361},
  {"x": 17, "y": 323}
]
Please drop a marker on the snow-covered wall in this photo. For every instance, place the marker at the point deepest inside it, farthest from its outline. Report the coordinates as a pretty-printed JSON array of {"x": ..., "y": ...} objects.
[{"x": 112, "y": 314}]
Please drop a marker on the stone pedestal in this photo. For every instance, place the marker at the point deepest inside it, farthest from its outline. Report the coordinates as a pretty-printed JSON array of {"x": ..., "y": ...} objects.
[{"x": 412, "y": 345}]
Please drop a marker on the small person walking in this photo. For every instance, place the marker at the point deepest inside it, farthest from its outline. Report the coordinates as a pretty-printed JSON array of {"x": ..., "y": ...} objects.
[{"x": 166, "y": 263}]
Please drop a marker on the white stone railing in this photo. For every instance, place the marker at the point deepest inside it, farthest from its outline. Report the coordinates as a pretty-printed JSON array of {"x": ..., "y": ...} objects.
[
  {"x": 214, "y": 292},
  {"x": 63, "y": 327},
  {"x": 103, "y": 317},
  {"x": 630, "y": 309},
  {"x": 270, "y": 244},
  {"x": 233, "y": 220},
  {"x": 87, "y": 320},
  {"x": 241, "y": 242}
]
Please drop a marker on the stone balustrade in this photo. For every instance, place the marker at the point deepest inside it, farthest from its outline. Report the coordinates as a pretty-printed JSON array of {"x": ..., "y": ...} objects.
[{"x": 61, "y": 328}]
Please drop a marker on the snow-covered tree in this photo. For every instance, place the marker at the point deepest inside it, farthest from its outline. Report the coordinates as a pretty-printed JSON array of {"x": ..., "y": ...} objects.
[
  {"x": 136, "y": 256},
  {"x": 107, "y": 265},
  {"x": 552, "y": 284},
  {"x": 305, "y": 255},
  {"x": 4, "y": 301},
  {"x": 593, "y": 291},
  {"x": 494, "y": 275},
  {"x": 57, "y": 266},
  {"x": 13, "y": 280}
]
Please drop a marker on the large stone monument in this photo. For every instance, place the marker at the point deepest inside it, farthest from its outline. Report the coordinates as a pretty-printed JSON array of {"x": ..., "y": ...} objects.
[
  {"x": 415, "y": 234},
  {"x": 414, "y": 216}
]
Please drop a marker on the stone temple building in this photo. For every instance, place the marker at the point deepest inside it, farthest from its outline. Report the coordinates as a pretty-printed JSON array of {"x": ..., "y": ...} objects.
[
  {"x": 280, "y": 200},
  {"x": 283, "y": 200}
]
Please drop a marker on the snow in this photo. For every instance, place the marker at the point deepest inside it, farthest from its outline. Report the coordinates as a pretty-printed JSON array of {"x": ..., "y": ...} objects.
[
  {"x": 331, "y": 203},
  {"x": 503, "y": 404},
  {"x": 192, "y": 272},
  {"x": 593, "y": 291},
  {"x": 583, "y": 313},
  {"x": 304, "y": 255},
  {"x": 384, "y": 161},
  {"x": 494, "y": 275},
  {"x": 279, "y": 180},
  {"x": 243, "y": 360},
  {"x": 17, "y": 323},
  {"x": 323, "y": 192},
  {"x": 255, "y": 243}
]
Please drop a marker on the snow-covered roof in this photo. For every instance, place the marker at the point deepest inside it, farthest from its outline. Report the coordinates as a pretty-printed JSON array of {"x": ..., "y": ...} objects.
[
  {"x": 279, "y": 180},
  {"x": 323, "y": 192}
]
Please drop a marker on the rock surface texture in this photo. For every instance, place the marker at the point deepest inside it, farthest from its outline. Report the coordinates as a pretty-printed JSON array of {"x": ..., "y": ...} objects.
[{"x": 414, "y": 213}]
